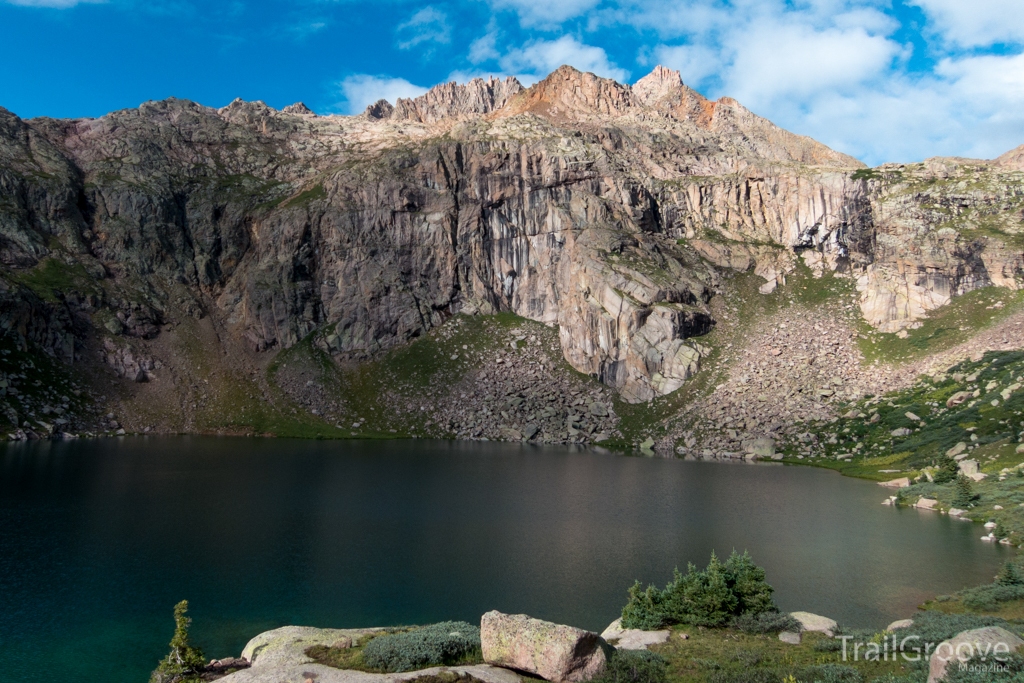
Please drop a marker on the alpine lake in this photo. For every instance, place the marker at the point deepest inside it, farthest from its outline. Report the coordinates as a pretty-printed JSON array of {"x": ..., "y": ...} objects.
[{"x": 100, "y": 538}]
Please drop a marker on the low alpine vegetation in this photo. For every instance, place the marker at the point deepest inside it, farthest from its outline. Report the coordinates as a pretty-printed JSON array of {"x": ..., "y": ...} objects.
[
  {"x": 709, "y": 597},
  {"x": 634, "y": 666},
  {"x": 448, "y": 643}
]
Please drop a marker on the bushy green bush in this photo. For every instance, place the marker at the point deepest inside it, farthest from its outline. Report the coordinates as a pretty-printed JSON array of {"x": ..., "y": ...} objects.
[
  {"x": 708, "y": 597},
  {"x": 948, "y": 469},
  {"x": 829, "y": 673},
  {"x": 987, "y": 598},
  {"x": 184, "y": 663},
  {"x": 634, "y": 666},
  {"x": 643, "y": 609},
  {"x": 1010, "y": 575},
  {"x": 448, "y": 642},
  {"x": 1010, "y": 670}
]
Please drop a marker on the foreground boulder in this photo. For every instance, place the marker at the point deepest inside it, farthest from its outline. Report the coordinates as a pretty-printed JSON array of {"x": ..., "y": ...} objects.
[
  {"x": 552, "y": 651},
  {"x": 990, "y": 644}
]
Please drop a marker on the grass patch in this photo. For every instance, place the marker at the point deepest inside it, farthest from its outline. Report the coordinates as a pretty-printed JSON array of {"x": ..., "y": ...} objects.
[
  {"x": 52, "y": 277},
  {"x": 312, "y": 194},
  {"x": 944, "y": 328},
  {"x": 731, "y": 656}
]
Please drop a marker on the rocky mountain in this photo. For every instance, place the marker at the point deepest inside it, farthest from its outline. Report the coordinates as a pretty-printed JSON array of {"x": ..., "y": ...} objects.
[{"x": 151, "y": 241}]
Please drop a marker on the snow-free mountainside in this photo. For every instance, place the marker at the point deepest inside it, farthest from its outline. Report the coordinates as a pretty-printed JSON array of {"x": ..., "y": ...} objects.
[{"x": 581, "y": 261}]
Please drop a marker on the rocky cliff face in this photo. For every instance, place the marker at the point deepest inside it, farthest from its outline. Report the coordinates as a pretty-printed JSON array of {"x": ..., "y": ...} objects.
[{"x": 607, "y": 210}]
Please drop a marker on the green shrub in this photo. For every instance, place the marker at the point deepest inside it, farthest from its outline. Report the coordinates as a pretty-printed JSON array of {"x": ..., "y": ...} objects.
[
  {"x": 634, "y": 666},
  {"x": 829, "y": 673},
  {"x": 765, "y": 622},
  {"x": 987, "y": 598},
  {"x": 702, "y": 598},
  {"x": 643, "y": 609},
  {"x": 1010, "y": 575},
  {"x": 1010, "y": 670},
  {"x": 184, "y": 663},
  {"x": 448, "y": 642},
  {"x": 934, "y": 627},
  {"x": 709, "y": 597},
  {"x": 947, "y": 472}
]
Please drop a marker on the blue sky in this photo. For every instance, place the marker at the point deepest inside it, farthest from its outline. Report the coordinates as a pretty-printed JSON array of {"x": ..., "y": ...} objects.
[{"x": 884, "y": 80}]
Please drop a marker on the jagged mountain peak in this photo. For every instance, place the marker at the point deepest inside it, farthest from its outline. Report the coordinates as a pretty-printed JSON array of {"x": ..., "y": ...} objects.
[
  {"x": 660, "y": 83},
  {"x": 454, "y": 100},
  {"x": 299, "y": 108},
  {"x": 567, "y": 94}
]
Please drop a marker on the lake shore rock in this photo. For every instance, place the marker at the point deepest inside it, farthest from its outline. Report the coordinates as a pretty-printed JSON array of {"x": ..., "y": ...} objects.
[
  {"x": 814, "y": 622},
  {"x": 633, "y": 638},
  {"x": 969, "y": 644},
  {"x": 554, "y": 652}
]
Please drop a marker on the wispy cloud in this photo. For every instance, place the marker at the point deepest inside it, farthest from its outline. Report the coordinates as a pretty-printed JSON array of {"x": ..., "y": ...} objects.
[
  {"x": 305, "y": 29},
  {"x": 975, "y": 23},
  {"x": 540, "y": 57},
  {"x": 362, "y": 90},
  {"x": 429, "y": 25},
  {"x": 545, "y": 12}
]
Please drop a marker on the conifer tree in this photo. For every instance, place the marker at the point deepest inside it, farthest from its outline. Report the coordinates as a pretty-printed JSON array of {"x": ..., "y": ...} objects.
[
  {"x": 1010, "y": 575},
  {"x": 947, "y": 471},
  {"x": 184, "y": 662},
  {"x": 965, "y": 495}
]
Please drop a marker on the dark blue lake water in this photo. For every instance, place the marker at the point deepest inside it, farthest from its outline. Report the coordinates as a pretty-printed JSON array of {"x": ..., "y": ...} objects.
[{"x": 99, "y": 539}]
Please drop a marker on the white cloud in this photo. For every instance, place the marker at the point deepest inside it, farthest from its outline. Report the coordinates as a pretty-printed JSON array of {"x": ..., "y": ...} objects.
[
  {"x": 362, "y": 90},
  {"x": 429, "y": 25},
  {"x": 693, "y": 62},
  {"x": 541, "y": 57},
  {"x": 545, "y": 12},
  {"x": 304, "y": 30},
  {"x": 484, "y": 48},
  {"x": 795, "y": 59},
  {"x": 974, "y": 23},
  {"x": 972, "y": 106}
]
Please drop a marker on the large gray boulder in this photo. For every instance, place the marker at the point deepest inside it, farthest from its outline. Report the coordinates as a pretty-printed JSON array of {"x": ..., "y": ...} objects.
[
  {"x": 552, "y": 651},
  {"x": 992, "y": 642}
]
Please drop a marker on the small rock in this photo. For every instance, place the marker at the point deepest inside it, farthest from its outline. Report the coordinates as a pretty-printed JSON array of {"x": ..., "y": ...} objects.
[
  {"x": 897, "y": 625},
  {"x": 790, "y": 637},
  {"x": 926, "y": 503}
]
